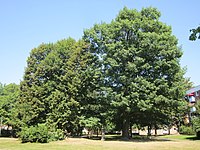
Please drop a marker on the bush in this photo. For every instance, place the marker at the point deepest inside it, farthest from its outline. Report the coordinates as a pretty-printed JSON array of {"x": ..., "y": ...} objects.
[
  {"x": 187, "y": 130},
  {"x": 40, "y": 134},
  {"x": 196, "y": 125},
  {"x": 37, "y": 133},
  {"x": 55, "y": 135}
]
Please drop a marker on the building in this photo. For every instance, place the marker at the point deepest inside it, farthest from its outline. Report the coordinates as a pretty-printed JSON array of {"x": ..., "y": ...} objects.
[
  {"x": 192, "y": 95},
  {"x": 194, "y": 92}
]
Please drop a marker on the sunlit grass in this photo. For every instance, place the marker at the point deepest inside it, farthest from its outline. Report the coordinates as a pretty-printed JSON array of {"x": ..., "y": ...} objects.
[
  {"x": 173, "y": 142},
  {"x": 180, "y": 137}
]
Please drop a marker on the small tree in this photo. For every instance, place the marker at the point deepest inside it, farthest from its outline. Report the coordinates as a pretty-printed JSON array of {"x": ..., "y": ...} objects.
[
  {"x": 91, "y": 124},
  {"x": 196, "y": 120}
]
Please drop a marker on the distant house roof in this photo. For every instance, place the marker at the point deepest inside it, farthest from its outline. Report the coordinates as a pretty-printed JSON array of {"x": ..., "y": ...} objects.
[{"x": 192, "y": 90}]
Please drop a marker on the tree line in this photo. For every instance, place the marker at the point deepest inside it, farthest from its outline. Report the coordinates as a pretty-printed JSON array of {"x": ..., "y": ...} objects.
[{"x": 123, "y": 73}]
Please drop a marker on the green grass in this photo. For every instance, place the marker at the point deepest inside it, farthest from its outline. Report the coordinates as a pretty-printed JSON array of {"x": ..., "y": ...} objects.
[
  {"x": 180, "y": 137},
  {"x": 173, "y": 142}
]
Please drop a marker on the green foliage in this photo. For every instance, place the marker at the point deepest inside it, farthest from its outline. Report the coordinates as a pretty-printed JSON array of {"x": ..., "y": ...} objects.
[
  {"x": 195, "y": 34},
  {"x": 40, "y": 134},
  {"x": 196, "y": 119},
  {"x": 37, "y": 133},
  {"x": 197, "y": 105},
  {"x": 56, "y": 134},
  {"x": 32, "y": 104},
  {"x": 9, "y": 95},
  {"x": 122, "y": 73},
  {"x": 91, "y": 123},
  {"x": 1, "y": 88},
  {"x": 196, "y": 125},
  {"x": 54, "y": 85},
  {"x": 187, "y": 130},
  {"x": 141, "y": 68}
]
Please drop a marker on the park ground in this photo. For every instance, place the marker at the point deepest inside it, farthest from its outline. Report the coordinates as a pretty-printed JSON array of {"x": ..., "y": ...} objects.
[{"x": 179, "y": 142}]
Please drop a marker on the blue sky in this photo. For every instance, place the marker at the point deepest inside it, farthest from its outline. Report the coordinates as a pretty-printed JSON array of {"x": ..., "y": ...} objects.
[{"x": 24, "y": 24}]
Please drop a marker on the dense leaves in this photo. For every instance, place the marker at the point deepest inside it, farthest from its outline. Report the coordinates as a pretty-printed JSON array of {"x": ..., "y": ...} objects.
[
  {"x": 9, "y": 95},
  {"x": 141, "y": 65},
  {"x": 40, "y": 134},
  {"x": 121, "y": 73},
  {"x": 195, "y": 34},
  {"x": 196, "y": 119},
  {"x": 50, "y": 90}
]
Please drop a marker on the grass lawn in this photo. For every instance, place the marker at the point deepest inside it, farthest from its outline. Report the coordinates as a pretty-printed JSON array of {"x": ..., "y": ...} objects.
[
  {"x": 181, "y": 137},
  {"x": 160, "y": 143}
]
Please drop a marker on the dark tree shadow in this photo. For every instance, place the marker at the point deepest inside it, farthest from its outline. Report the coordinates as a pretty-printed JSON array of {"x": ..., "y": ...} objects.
[
  {"x": 193, "y": 138},
  {"x": 138, "y": 138}
]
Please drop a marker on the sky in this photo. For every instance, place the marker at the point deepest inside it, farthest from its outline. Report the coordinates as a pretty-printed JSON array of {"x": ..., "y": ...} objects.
[{"x": 25, "y": 24}]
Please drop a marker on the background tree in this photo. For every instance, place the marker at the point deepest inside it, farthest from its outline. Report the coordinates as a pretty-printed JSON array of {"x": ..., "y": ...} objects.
[
  {"x": 70, "y": 62},
  {"x": 124, "y": 72},
  {"x": 195, "y": 34},
  {"x": 32, "y": 105},
  {"x": 58, "y": 85},
  {"x": 196, "y": 120},
  {"x": 141, "y": 65},
  {"x": 9, "y": 95},
  {"x": 1, "y": 88}
]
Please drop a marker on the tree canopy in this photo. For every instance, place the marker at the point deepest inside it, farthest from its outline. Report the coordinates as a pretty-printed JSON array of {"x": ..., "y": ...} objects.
[
  {"x": 9, "y": 95},
  {"x": 141, "y": 64},
  {"x": 195, "y": 34},
  {"x": 120, "y": 73}
]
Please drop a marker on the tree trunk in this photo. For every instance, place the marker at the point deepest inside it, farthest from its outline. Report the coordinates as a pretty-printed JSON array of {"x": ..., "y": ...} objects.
[
  {"x": 156, "y": 131},
  {"x": 156, "y": 127},
  {"x": 149, "y": 130},
  {"x": 125, "y": 128},
  {"x": 131, "y": 135},
  {"x": 103, "y": 134},
  {"x": 89, "y": 133},
  {"x": 169, "y": 130},
  {"x": 97, "y": 132}
]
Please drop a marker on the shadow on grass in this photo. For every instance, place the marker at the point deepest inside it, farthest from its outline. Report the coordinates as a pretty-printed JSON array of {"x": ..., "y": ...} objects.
[
  {"x": 138, "y": 138},
  {"x": 193, "y": 138}
]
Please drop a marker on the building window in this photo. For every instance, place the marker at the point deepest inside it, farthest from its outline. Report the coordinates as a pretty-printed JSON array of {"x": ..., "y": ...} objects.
[
  {"x": 192, "y": 99},
  {"x": 197, "y": 93}
]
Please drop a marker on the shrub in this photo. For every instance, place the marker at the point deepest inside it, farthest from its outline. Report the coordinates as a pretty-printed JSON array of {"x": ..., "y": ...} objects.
[
  {"x": 196, "y": 125},
  {"x": 56, "y": 134},
  {"x": 41, "y": 134},
  {"x": 186, "y": 130},
  {"x": 37, "y": 133}
]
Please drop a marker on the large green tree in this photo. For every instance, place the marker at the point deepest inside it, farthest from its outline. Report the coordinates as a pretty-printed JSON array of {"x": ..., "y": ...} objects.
[
  {"x": 32, "y": 105},
  {"x": 70, "y": 60},
  {"x": 9, "y": 95},
  {"x": 58, "y": 85},
  {"x": 141, "y": 66}
]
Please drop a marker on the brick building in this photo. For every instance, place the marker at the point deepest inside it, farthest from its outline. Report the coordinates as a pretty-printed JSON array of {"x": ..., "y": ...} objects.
[{"x": 192, "y": 95}]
